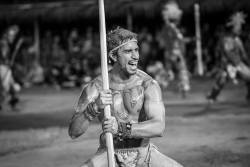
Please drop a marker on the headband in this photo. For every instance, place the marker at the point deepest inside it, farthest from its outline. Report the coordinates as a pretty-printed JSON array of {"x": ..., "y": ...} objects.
[{"x": 112, "y": 50}]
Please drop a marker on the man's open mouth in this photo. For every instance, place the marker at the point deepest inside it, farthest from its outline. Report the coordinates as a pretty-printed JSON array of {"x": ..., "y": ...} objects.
[{"x": 133, "y": 63}]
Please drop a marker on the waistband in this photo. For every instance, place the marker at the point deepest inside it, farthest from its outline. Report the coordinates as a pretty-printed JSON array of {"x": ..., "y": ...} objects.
[
  {"x": 130, "y": 143},
  {"x": 126, "y": 142}
]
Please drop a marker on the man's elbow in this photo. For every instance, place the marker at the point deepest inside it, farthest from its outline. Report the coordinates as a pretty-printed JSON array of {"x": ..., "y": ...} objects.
[
  {"x": 160, "y": 130},
  {"x": 74, "y": 133}
]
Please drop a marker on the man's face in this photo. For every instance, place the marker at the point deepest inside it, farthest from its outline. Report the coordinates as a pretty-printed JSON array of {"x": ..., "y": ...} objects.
[{"x": 128, "y": 57}]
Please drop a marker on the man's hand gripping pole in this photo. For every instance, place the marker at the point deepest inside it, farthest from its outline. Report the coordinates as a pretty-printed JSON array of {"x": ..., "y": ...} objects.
[{"x": 104, "y": 67}]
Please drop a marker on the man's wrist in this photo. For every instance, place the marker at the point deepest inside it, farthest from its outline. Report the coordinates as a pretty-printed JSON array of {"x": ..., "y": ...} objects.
[{"x": 124, "y": 130}]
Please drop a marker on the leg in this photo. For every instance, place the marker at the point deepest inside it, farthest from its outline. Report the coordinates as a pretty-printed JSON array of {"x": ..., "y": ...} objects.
[
  {"x": 183, "y": 76},
  {"x": 99, "y": 160},
  {"x": 244, "y": 74},
  {"x": 168, "y": 63},
  {"x": 220, "y": 82},
  {"x": 157, "y": 159},
  {"x": 13, "y": 97}
]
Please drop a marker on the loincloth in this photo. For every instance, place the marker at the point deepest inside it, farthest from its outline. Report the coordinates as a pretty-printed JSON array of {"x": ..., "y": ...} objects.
[{"x": 148, "y": 156}]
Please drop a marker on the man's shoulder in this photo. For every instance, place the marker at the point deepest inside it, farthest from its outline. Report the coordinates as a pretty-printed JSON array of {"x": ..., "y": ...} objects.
[
  {"x": 143, "y": 75},
  {"x": 95, "y": 82},
  {"x": 146, "y": 79}
]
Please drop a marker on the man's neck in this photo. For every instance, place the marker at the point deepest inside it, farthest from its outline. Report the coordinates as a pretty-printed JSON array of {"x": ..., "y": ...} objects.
[{"x": 118, "y": 75}]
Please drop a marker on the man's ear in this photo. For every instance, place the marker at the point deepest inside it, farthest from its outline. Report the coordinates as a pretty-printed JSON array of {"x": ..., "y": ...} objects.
[{"x": 113, "y": 57}]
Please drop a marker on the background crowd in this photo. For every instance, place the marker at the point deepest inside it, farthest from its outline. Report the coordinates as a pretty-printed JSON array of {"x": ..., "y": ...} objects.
[{"x": 70, "y": 57}]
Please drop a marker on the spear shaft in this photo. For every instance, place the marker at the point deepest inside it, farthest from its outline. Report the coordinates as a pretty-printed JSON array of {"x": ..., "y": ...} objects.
[
  {"x": 198, "y": 39},
  {"x": 105, "y": 78}
]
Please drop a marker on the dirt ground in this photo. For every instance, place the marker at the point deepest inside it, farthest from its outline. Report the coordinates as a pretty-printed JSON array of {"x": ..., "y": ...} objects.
[{"x": 196, "y": 135}]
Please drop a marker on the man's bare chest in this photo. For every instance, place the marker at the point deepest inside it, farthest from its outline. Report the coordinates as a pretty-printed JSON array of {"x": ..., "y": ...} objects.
[{"x": 128, "y": 103}]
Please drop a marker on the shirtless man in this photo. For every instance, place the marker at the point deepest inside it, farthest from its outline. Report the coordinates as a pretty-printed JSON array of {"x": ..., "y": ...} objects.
[{"x": 137, "y": 109}]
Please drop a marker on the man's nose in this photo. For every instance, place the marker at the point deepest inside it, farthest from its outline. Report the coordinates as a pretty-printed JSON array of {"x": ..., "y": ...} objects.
[{"x": 135, "y": 55}]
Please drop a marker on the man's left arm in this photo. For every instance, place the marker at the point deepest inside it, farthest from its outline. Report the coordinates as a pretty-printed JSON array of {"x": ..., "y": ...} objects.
[{"x": 155, "y": 112}]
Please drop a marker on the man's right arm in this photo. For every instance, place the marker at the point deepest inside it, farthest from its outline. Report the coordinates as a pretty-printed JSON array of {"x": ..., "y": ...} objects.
[{"x": 85, "y": 111}]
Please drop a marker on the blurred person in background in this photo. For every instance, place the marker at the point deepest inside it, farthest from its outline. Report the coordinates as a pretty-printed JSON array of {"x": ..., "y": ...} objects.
[
  {"x": 9, "y": 44},
  {"x": 46, "y": 49},
  {"x": 57, "y": 63},
  {"x": 146, "y": 40},
  {"x": 35, "y": 75},
  {"x": 88, "y": 52},
  {"x": 156, "y": 69},
  {"x": 137, "y": 108},
  {"x": 232, "y": 60},
  {"x": 173, "y": 43},
  {"x": 74, "y": 44}
]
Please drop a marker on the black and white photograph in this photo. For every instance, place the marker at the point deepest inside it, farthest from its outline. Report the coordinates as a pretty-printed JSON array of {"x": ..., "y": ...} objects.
[{"x": 125, "y": 83}]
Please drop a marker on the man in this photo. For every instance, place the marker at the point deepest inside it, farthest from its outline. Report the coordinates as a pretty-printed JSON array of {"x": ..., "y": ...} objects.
[
  {"x": 231, "y": 58},
  {"x": 8, "y": 47},
  {"x": 173, "y": 44},
  {"x": 137, "y": 109}
]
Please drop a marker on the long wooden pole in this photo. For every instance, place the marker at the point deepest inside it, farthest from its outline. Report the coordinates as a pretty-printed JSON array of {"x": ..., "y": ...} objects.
[
  {"x": 105, "y": 78},
  {"x": 37, "y": 39},
  {"x": 198, "y": 39}
]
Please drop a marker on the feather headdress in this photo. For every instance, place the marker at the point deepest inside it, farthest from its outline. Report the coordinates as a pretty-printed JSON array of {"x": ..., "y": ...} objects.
[
  {"x": 171, "y": 11},
  {"x": 236, "y": 21}
]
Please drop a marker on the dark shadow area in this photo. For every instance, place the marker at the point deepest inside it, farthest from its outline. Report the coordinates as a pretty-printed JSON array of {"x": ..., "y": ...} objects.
[{"x": 34, "y": 121}]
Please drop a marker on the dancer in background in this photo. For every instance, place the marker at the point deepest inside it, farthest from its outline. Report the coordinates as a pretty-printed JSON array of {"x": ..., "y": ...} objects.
[
  {"x": 231, "y": 58},
  {"x": 173, "y": 43},
  {"x": 9, "y": 46}
]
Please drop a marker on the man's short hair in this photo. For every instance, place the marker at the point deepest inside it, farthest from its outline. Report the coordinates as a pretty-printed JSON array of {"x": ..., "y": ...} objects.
[{"x": 119, "y": 36}]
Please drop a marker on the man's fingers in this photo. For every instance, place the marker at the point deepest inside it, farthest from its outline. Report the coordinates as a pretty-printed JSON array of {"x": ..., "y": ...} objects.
[
  {"x": 108, "y": 130},
  {"x": 106, "y": 93},
  {"x": 107, "y": 101},
  {"x": 105, "y": 130},
  {"x": 107, "y": 122},
  {"x": 105, "y": 98},
  {"x": 107, "y": 126}
]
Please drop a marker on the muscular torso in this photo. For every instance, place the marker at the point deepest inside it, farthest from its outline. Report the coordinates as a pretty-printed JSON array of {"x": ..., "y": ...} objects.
[
  {"x": 128, "y": 100},
  {"x": 138, "y": 101}
]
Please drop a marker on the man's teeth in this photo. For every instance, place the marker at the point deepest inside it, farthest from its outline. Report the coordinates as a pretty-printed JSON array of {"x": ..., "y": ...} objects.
[{"x": 132, "y": 63}]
